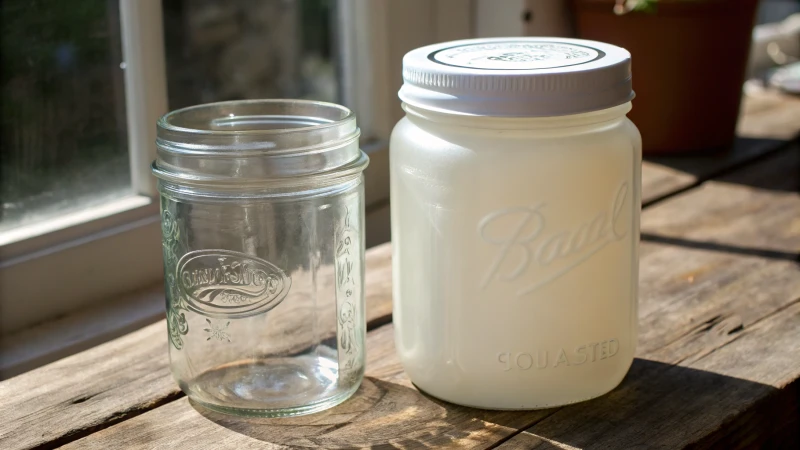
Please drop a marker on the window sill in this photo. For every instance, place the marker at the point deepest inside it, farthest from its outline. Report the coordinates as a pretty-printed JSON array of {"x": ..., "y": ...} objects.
[
  {"x": 57, "y": 273},
  {"x": 91, "y": 326},
  {"x": 27, "y": 240}
]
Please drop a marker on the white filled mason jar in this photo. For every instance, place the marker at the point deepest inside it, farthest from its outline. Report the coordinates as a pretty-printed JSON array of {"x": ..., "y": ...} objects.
[
  {"x": 515, "y": 197},
  {"x": 262, "y": 213}
]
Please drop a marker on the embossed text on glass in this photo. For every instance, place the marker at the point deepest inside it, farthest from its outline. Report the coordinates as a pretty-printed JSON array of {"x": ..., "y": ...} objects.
[{"x": 540, "y": 247}]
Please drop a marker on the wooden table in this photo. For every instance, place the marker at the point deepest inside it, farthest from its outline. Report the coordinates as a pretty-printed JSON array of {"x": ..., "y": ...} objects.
[{"x": 717, "y": 366}]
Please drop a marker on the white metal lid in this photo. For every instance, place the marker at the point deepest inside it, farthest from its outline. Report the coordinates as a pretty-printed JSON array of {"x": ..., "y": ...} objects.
[{"x": 517, "y": 77}]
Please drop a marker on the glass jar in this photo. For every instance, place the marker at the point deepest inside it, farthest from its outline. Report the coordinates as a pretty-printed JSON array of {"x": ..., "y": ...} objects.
[
  {"x": 262, "y": 209},
  {"x": 515, "y": 196}
]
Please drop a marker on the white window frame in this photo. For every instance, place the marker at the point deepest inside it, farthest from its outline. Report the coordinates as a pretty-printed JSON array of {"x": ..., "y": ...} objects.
[
  {"x": 54, "y": 267},
  {"x": 83, "y": 262},
  {"x": 374, "y": 35}
]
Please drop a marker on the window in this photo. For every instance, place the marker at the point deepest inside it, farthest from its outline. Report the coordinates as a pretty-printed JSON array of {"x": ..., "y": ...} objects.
[
  {"x": 85, "y": 80},
  {"x": 63, "y": 123}
]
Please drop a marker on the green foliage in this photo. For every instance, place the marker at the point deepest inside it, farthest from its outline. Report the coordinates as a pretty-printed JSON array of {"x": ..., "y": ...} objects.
[{"x": 626, "y": 6}]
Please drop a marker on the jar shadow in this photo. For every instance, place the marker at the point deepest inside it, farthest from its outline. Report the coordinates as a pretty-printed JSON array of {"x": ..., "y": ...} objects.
[
  {"x": 653, "y": 399},
  {"x": 381, "y": 414}
]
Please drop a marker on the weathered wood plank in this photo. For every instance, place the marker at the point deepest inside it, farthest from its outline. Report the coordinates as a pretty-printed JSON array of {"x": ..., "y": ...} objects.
[
  {"x": 698, "y": 302},
  {"x": 72, "y": 397},
  {"x": 769, "y": 113},
  {"x": 665, "y": 175},
  {"x": 768, "y": 119},
  {"x": 724, "y": 400},
  {"x": 386, "y": 410}
]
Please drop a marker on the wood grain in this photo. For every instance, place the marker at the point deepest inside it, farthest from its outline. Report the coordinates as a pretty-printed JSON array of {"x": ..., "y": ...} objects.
[
  {"x": 767, "y": 121},
  {"x": 110, "y": 383},
  {"x": 768, "y": 113},
  {"x": 703, "y": 297},
  {"x": 387, "y": 410}
]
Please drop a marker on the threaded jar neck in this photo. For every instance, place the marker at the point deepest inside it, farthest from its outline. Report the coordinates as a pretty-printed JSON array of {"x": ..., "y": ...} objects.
[
  {"x": 257, "y": 142},
  {"x": 476, "y": 122}
]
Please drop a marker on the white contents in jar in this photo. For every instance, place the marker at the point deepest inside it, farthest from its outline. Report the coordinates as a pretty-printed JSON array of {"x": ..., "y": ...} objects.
[{"x": 515, "y": 236}]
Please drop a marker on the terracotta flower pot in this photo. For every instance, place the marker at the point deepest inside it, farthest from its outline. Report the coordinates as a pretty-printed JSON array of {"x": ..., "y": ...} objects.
[{"x": 689, "y": 61}]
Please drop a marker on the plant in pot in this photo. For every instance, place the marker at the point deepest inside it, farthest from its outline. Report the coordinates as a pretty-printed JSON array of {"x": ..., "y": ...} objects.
[{"x": 689, "y": 61}]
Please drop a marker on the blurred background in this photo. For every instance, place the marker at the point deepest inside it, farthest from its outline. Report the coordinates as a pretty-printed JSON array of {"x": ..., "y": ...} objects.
[
  {"x": 83, "y": 82},
  {"x": 64, "y": 138}
]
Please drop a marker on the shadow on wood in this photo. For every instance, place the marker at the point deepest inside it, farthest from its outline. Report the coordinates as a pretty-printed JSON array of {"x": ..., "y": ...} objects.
[
  {"x": 644, "y": 410},
  {"x": 725, "y": 248},
  {"x": 778, "y": 172},
  {"x": 745, "y": 151},
  {"x": 664, "y": 406},
  {"x": 381, "y": 414}
]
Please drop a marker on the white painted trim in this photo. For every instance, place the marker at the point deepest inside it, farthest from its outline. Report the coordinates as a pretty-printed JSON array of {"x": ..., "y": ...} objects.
[
  {"x": 29, "y": 239},
  {"x": 454, "y": 19},
  {"x": 374, "y": 36},
  {"x": 363, "y": 44},
  {"x": 499, "y": 18},
  {"x": 548, "y": 18},
  {"x": 79, "y": 331},
  {"x": 145, "y": 85},
  {"x": 79, "y": 273}
]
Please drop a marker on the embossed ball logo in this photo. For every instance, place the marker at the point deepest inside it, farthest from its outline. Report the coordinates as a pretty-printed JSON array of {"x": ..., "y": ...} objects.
[{"x": 223, "y": 283}]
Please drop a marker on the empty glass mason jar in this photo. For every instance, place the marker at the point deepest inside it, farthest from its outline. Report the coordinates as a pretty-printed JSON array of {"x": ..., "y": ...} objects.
[{"x": 262, "y": 217}]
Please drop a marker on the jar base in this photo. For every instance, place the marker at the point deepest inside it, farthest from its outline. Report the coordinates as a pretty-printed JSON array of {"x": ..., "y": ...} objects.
[
  {"x": 273, "y": 388},
  {"x": 522, "y": 408}
]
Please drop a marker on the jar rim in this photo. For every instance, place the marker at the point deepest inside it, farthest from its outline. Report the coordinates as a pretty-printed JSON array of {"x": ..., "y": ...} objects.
[
  {"x": 167, "y": 121},
  {"x": 257, "y": 141}
]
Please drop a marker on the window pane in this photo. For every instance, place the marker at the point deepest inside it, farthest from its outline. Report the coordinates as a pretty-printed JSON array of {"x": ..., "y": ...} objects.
[
  {"x": 770, "y": 11},
  {"x": 248, "y": 49},
  {"x": 63, "y": 133}
]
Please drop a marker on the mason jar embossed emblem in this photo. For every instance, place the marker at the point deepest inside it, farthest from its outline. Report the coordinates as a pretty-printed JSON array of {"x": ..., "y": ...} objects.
[
  {"x": 223, "y": 283},
  {"x": 530, "y": 244}
]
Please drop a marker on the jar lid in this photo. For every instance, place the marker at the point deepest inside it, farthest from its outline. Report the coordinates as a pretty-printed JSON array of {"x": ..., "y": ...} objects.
[{"x": 517, "y": 77}]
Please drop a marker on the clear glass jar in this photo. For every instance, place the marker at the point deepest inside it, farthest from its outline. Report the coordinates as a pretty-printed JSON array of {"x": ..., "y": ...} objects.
[
  {"x": 262, "y": 207},
  {"x": 515, "y": 226}
]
